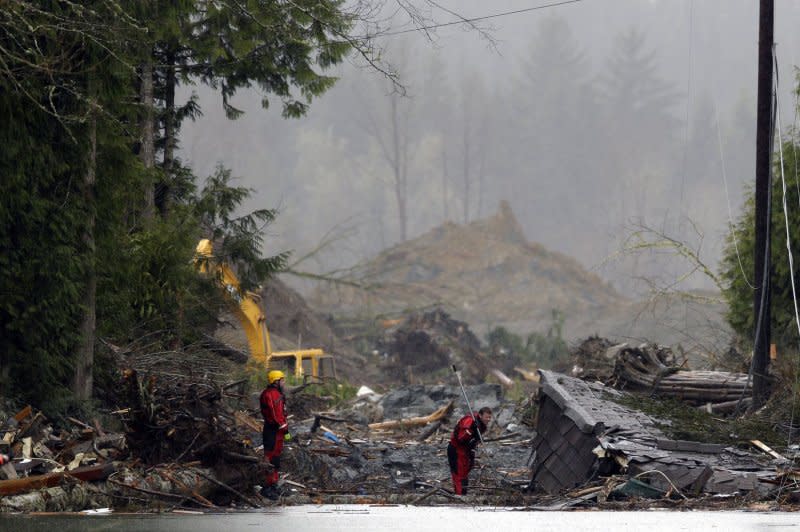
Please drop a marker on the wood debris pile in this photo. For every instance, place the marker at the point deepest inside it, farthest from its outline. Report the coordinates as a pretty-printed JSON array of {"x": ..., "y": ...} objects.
[
  {"x": 183, "y": 420},
  {"x": 401, "y": 458},
  {"x": 43, "y": 457},
  {"x": 194, "y": 445},
  {"x": 602, "y": 450},
  {"x": 422, "y": 347},
  {"x": 654, "y": 369},
  {"x": 182, "y": 443}
]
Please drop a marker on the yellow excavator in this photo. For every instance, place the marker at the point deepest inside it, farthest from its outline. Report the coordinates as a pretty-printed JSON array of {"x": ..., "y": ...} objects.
[{"x": 302, "y": 363}]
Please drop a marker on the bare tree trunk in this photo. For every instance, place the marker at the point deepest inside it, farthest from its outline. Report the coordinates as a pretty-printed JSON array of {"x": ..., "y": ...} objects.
[
  {"x": 466, "y": 161},
  {"x": 400, "y": 161},
  {"x": 481, "y": 170},
  {"x": 169, "y": 117},
  {"x": 445, "y": 179},
  {"x": 147, "y": 151},
  {"x": 84, "y": 360},
  {"x": 483, "y": 147},
  {"x": 163, "y": 192}
]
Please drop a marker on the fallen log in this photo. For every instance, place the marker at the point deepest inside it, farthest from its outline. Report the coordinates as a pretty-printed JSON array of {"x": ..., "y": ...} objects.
[
  {"x": 224, "y": 486},
  {"x": 241, "y": 457},
  {"x": 652, "y": 369},
  {"x": 148, "y": 491},
  {"x": 180, "y": 482},
  {"x": 764, "y": 447},
  {"x": 243, "y": 419},
  {"x": 503, "y": 437},
  {"x": 60, "y": 499},
  {"x": 726, "y": 407},
  {"x": 502, "y": 377},
  {"x": 430, "y": 430},
  {"x": 88, "y": 473},
  {"x": 414, "y": 421},
  {"x": 425, "y": 496}
]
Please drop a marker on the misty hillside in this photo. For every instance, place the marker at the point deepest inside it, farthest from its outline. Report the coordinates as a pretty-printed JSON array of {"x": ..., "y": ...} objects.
[
  {"x": 485, "y": 272},
  {"x": 488, "y": 274},
  {"x": 589, "y": 118}
]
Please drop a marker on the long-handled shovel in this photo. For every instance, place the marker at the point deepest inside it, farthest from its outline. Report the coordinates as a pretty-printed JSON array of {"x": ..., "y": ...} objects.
[
  {"x": 469, "y": 407},
  {"x": 484, "y": 450}
]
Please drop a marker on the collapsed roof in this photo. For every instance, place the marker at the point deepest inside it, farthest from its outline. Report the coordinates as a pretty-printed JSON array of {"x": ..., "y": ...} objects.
[{"x": 583, "y": 432}]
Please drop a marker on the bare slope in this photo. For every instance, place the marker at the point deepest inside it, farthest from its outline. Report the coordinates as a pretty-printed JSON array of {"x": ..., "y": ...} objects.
[{"x": 485, "y": 273}]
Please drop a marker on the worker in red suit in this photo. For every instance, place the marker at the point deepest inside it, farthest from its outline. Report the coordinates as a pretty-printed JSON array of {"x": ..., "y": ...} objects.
[
  {"x": 461, "y": 449},
  {"x": 275, "y": 430}
]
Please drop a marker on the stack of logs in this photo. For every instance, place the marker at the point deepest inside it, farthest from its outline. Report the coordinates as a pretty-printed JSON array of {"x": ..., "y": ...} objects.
[{"x": 653, "y": 369}]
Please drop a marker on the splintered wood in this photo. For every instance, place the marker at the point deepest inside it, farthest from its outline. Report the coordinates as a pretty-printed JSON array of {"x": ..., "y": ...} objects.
[
  {"x": 414, "y": 421},
  {"x": 654, "y": 369}
]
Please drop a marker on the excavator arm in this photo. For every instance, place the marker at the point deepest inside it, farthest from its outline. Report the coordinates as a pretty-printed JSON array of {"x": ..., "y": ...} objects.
[
  {"x": 248, "y": 311},
  {"x": 246, "y": 308}
]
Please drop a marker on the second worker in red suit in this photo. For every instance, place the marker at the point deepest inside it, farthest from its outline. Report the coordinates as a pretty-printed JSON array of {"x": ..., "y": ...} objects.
[
  {"x": 461, "y": 449},
  {"x": 275, "y": 430}
]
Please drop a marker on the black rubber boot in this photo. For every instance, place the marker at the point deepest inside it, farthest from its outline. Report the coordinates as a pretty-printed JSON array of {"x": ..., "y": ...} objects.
[{"x": 270, "y": 492}]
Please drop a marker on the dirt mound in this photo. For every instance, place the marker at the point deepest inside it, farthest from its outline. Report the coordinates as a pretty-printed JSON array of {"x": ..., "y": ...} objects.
[
  {"x": 486, "y": 273},
  {"x": 293, "y": 323},
  {"x": 423, "y": 347}
]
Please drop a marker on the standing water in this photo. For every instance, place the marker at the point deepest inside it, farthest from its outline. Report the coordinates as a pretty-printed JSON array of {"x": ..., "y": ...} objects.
[{"x": 352, "y": 518}]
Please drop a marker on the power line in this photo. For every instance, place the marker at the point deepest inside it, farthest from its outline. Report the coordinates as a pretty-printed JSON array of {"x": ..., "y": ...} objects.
[
  {"x": 788, "y": 236},
  {"x": 728, "y": 197},
  {"x": 476, "y": 19},
  {"x": 687, "y": 125}
]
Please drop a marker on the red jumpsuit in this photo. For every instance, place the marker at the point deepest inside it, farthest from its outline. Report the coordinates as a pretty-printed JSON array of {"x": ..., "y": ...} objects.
[
  {"x": 461, "y": 450},
  {"x": 272, "y": 408}
]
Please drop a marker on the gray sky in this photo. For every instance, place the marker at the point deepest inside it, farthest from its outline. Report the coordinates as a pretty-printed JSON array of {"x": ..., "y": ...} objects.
[{"x": 579, "y": 166}]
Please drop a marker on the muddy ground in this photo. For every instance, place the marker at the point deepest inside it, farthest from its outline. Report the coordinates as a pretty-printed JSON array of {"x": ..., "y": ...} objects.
[{"x": 181, "y": 431}]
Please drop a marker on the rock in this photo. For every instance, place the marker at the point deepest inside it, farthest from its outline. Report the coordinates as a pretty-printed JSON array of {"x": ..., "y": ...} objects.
[{"x": 421, "y": 400}]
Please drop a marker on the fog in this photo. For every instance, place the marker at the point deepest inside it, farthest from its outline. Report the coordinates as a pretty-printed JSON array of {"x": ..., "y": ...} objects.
[{"x": 592, "y": 119}]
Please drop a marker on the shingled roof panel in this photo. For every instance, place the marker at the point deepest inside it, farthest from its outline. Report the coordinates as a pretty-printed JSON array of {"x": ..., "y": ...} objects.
[{"x": 575, "y": 417}]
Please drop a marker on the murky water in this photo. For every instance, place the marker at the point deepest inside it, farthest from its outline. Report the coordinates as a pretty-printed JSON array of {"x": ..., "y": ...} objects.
[{"x": 382, "y": 518}]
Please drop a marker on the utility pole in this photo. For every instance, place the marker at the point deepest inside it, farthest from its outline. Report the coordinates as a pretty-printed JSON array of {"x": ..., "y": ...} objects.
[{"x": 761, "y": 264}]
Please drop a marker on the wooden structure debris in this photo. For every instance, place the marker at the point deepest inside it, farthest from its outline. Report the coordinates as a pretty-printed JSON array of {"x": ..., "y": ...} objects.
[
  {"x": 583, "y": 433},
  {"x": 88, "y": 473},
  {"x": 654, "y": 369}
]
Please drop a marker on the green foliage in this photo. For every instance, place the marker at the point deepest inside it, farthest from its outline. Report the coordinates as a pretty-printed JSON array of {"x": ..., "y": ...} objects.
[
  {"x": 68, "y": 69},
  {"x": 682, "y": 423},
  {"x": 43, "y": 260},
  {"x": 239, "y": 238},
  {"x": 338, "y": 391},
  {"x": 737, "y": 271},
  {"x": 737, "y": 263},
  {"x": 544, "y": 350},
  {"x": 276, "y": 46},
  {"x": 550, "y": 348},
  {"x": 504, "y": 342},
  {"x": 151, "y": 285}
]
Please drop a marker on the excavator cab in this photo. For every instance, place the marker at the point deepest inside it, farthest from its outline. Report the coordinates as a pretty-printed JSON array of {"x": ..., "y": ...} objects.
[{"x": 305, "y": 364}]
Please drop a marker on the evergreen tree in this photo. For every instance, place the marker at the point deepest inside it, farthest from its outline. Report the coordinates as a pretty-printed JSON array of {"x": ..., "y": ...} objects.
[
  {"x": 738, "y": 257},
  {"x": 548, "y": 92},
  {"x": 82, "y": 255},
  {"x": 552, "y": 92},
  {"x": 58, "y": 64},
  {"x": 280, "y": 48},
  {"x": 638, "y": 112}
]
